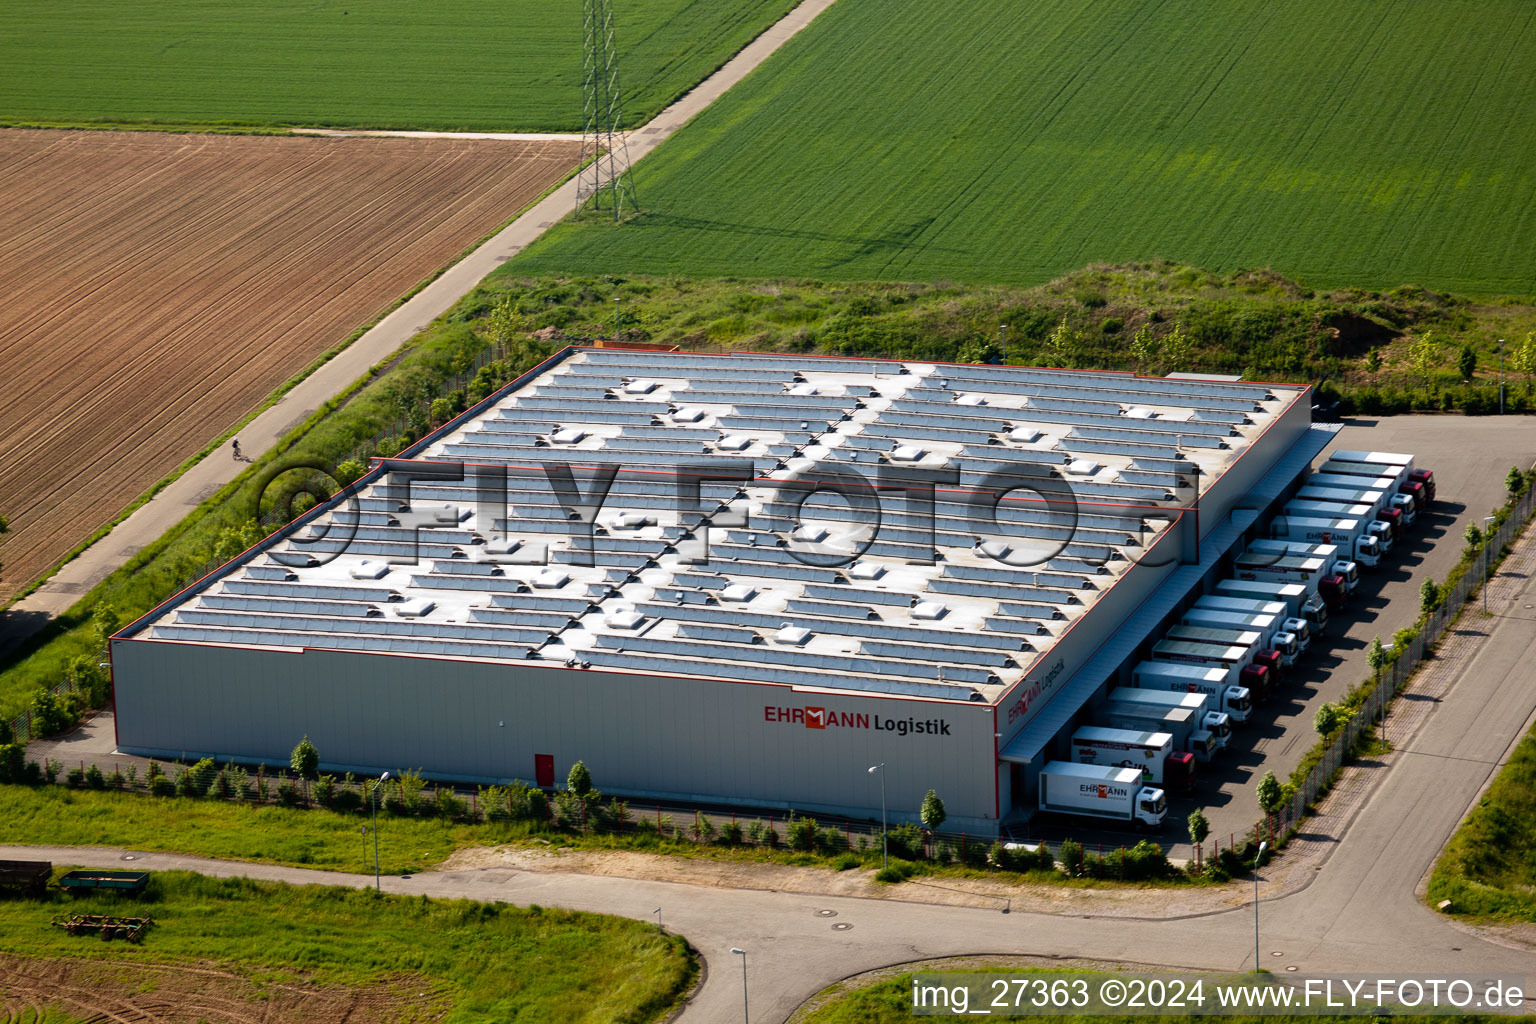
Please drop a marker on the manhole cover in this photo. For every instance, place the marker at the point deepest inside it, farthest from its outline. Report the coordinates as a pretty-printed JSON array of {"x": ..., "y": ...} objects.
[
  {"x": 1290, "y": 968},
  {"x": 841, "y": 926},
  {"x": 129, "y": 856},
  {"x": 1277, "y": 953},
  {"x": 826, "y": 913}
]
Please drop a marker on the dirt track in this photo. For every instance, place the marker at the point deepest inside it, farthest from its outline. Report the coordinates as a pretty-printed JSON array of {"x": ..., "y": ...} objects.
[{"x": 156, "y": 287}]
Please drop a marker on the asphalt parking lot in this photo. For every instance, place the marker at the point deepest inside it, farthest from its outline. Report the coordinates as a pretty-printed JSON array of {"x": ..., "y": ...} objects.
[{"x": 1470, "y": 457}]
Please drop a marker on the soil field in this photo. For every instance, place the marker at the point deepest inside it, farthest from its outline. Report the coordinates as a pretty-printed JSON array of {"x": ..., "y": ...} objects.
[
  {"x": 158, "y": 287},
  {"x": 148, "y": 993}
]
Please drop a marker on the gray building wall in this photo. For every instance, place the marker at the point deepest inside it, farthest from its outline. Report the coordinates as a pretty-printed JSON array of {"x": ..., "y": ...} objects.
[{"x": 645, "y": 736}]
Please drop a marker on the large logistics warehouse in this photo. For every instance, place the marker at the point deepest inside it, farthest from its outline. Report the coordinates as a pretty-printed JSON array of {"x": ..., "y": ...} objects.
[{"x": 732, "y": 579}]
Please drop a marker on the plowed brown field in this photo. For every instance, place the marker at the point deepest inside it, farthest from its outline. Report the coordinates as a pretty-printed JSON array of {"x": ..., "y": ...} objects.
[{"x": 154, "y": 288}]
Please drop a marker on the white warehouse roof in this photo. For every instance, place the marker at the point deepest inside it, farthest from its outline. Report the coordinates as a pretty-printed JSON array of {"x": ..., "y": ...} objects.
[{"x": 826, "y": 600}]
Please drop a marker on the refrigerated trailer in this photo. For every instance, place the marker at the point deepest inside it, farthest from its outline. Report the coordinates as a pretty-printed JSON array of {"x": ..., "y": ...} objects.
[
  {"x": 1298, "y": 627},
  {"x": 1183, "y": 724},
  {"x": 1393, "y": 463},
  {"x": 1264, "y": 653},
  {"x": 1302, "y": 509},
  {"x": 1097, "y": 791},
  {"x": 1405, "y": 498},
  {"x": 1214, "y": 681},
  {"x": 1299, "y": 601},
  {"x": 1151, "y": 753},
  {"x": 1313, "y": 573},
  {"x": 1348, "y": 535},
  {"x": 1272, "y": 633},
  {"x": 1342, "y": 567},
  {"x": 1379, "y": 502},
  {"x": 1241, "y": 663},
  {"x": 1209, "y": 716}
]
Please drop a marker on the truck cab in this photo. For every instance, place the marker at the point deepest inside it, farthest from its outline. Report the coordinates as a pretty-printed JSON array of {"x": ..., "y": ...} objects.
[
  {"x": 1382, "y": 531},
  {"x": 1427, "y": 479},
  {"x": 1271, "y": 659},
  {"x": 1368, "y": 551},
  {"x": 1287, "y": 647},
  {"x": 1179, "y": 770},
  {"x": 1315, "y": 612},
  {"x": 1151, "y": 807},
  {"x": 1203, "y": 744},
  {"x": 1404, "y": 504},
  {"x": 1349, "y": 572},
  {"x": 1255, "y": 678},
  {"x": 1333, "y": 591},
  {"x": 1219, "y": 725},
  {"x": 1301, "y": 629},
  {"x": 1393, "y": 517}
]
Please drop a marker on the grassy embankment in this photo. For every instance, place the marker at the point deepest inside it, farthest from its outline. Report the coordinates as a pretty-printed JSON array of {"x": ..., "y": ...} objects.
[
  {"x": 926, "y": 142},
  {"x": 469, "y": 961},
  {"x": 451, "y": 65},
  {"x": 1257, "y": 324},
  {"x": 333, "y": 840},
  {"x": 1489, "y": 867}
]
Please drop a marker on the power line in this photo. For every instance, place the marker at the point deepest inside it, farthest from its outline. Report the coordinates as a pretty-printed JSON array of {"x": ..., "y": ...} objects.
[{"x": 604, "y": 178}]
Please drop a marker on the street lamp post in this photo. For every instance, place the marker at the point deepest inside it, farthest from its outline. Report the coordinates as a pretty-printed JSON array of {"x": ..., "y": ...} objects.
[
  {"x": 1501, "y": 376},
  {"x": 1256, "y": 859},
  {"x": 1003, "y": 332},
  {"x": 746, "y": 1017},
  {"x": 657, "y": 912},
  {"x": 885, "y": 849},
  {"x": 382, "y": 779},
  {"x": 1488, "y": 522}
]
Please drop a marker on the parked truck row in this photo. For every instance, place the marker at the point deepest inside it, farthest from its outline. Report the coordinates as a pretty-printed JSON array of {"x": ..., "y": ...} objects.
[{"x": 1233, "y": 645}]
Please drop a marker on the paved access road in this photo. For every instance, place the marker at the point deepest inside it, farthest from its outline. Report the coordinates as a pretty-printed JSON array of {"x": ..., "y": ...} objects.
[{"x": 1359, "y": 913}]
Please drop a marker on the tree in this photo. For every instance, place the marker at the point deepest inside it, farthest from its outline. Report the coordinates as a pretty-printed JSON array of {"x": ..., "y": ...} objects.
[
  {"x": 1062, "y": 345},
  {"x": 1269, "y": 793},
  {"x": 1178, "y": 349},
  {"x": 1199, "y": 828},
  {"x": 1376, "y": 656},
  {"x": 1514, "y": 481},
  {"x": 1473, "y": 534},
  {"x": 932, "y": 812},
  {"x": 579, "y": 780},
  {"x": 1429, "y": 596},
  {"x": 305, "y": 762},
  {"x": 1522, "y": 359},
  {"x": 1466, "y": 362},
  {"x": 1422, "y": 354},
  {"x": 1327, "y": 718},
  {"x": 1145, "y": 348}
]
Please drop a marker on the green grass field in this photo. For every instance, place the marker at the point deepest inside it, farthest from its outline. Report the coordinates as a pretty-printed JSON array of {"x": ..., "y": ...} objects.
[
  {"x": 1365, "y": 142},
  {"x": 53, "y": 815},
  {"x": 448, "y": 64},
  {"x": 485, "y": 962},
  {"x": 1489, "y": 867}
]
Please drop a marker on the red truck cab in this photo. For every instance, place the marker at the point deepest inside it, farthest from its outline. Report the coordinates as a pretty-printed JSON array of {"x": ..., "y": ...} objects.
[
  {"x": 1270, "y": 659},
  {"x": 1427, "y": 478},
  {"x": 1333, "y": 590},
  {"x": 1393, "y": 517},
  {"x": 1179, "y": 771},
  {"x": 1256, "y": 677}
]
